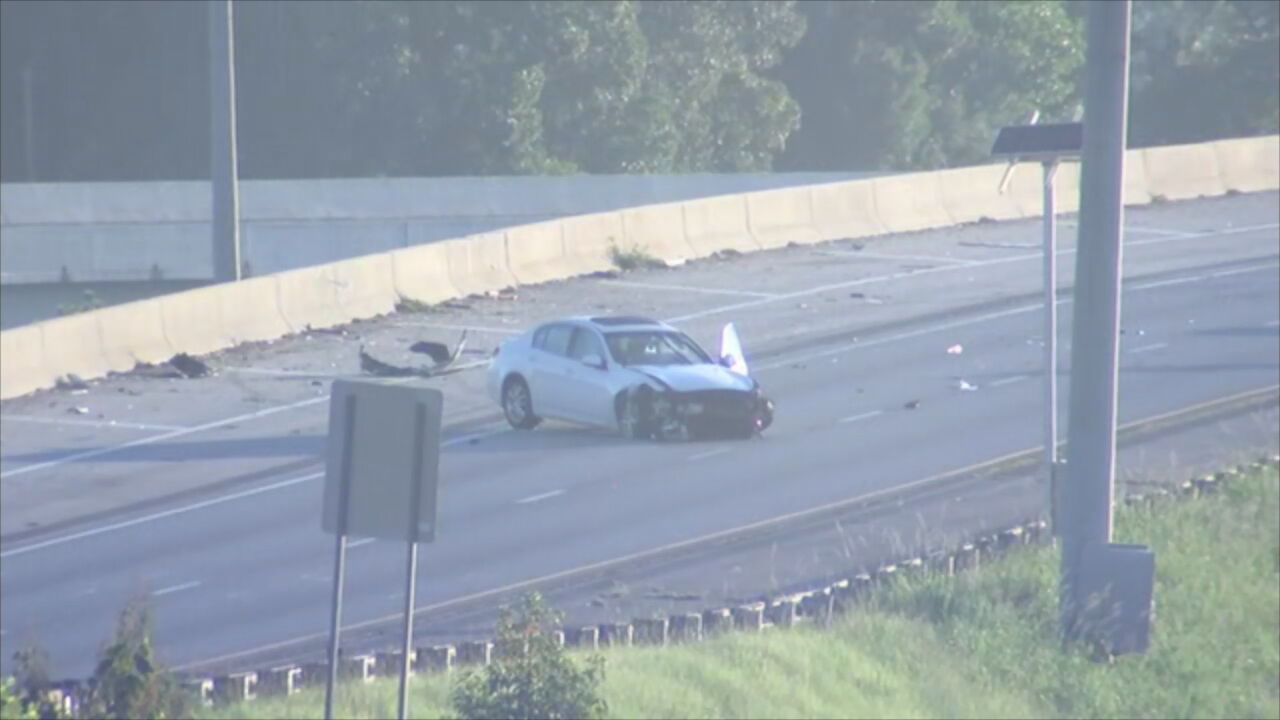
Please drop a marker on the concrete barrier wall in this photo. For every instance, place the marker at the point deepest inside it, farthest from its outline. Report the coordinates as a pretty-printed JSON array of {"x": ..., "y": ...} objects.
[
  {"x": 1182, "y": 172},
  {"x": 212, "y": 318},
  {"x": 776, "y": 218},
  {"x": 94, "y": 232},
  {"x": 1249, "y": 164}
]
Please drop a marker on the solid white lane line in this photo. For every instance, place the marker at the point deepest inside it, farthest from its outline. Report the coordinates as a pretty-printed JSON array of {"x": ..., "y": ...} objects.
[
  {"x": 197, "y": 506},
  {"x": 358, "y": 543},
  {"x": 949, "y": 268},
  {"x": 1165, "y": 283},
  {"x": 1007, "y": 381},
  {"x": 281, "y": 373},
  {"x": 156, "y": 516},
  {"x": 1148, "y": 348},
  {"x": 686, "y": 288},
  {"x": 1158, "y": 231},
  {"x": 163, "y": 436},
  {"x": 469, "y": 328},
  {"x": 861, "y": 416},
  {"x": 1238, "y": 271},
  {"x": 177, "y": 588},
  {"x": 540, "y": 496},
  {"x": 935, "y": 328},
  {"x": 899, "y": 336},
  {"x": 708, "y": 454},
  {"x": 891, "y": 257},
  {"x": 87, "y": 423}
]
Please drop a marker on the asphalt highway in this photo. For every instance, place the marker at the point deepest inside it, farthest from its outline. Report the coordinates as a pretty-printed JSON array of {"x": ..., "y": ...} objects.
[{"x": 246, "y": 565}]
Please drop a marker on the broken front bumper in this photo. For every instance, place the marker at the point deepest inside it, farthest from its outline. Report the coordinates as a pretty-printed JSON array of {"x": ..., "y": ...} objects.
[{"x": 674, "y": 415}]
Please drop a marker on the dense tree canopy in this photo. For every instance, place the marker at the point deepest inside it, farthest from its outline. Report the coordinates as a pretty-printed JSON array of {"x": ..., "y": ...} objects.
[{"x": 118, "y": 90}]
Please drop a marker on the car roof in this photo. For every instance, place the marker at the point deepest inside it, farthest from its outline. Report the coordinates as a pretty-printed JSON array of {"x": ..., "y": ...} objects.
[{"x": 613, "y": 323}]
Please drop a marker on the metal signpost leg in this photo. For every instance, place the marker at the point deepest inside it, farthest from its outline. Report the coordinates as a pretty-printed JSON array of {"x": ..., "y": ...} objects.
[
  {"x": 415, "y": 506},
  {"x": 340, "y": 559},
  {"x": 1051, "y": 343}
]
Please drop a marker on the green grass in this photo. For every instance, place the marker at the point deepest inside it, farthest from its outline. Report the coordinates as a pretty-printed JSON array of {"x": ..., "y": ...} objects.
[{"x": 979, "y": 645}]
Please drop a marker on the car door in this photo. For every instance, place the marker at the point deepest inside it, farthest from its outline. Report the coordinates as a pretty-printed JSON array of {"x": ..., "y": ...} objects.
[
  {"x": 547, "y": 364},
  {"x": 586, "y": 389}
]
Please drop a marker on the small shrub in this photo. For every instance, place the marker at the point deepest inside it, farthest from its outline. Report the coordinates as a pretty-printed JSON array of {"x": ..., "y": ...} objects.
[
  {"x": 633, "y": 259},
  {"x": 531, "y": 676},
  {"x": 128, "y": 681},
  {"x": 409, "y": 305}
]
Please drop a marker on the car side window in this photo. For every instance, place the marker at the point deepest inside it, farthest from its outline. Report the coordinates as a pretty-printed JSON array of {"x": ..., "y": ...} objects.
[
  {"x": 585, "y": 343},
  {"x": 540, "y": 337},
  {"x": 555, "y": 339}
]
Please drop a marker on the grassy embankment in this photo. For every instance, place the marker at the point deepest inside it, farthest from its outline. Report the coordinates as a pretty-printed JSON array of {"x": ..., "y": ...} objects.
[{"x": 978, "y": 645}]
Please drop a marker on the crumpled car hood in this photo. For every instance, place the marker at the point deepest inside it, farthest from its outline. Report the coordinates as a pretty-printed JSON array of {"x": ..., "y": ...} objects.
[{"x": 687, "y": 378}]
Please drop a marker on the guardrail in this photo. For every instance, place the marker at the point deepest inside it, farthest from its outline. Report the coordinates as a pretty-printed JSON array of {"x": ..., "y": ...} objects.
[
  {"x": 816, "y": 605},
  {"x": 212, "y": 318}
]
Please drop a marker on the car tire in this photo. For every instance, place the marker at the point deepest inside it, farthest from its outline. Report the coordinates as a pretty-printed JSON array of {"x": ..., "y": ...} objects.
[
  {"x": 517, "y": 404},
  {"x": 634, "y": 426}
]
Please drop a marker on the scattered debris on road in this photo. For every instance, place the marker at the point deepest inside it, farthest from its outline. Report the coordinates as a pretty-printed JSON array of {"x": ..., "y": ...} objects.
[
  {"x": 955, "y": 349},
  {"x": 442, "y": 360},
  {"x": 78, "y": 410},
  {"x": 189, "y": 367},
  {"x": 966, "y": 385},
  {"x": 911, "y": 404},
  {"x": 71, "y": 381},
  {"x": 726, "y": 254}
]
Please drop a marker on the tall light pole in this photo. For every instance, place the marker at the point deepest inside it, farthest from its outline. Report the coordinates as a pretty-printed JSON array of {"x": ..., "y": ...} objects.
[
  {"x": 224, "y": 174},
  {"x": 1090, "y": 472}
]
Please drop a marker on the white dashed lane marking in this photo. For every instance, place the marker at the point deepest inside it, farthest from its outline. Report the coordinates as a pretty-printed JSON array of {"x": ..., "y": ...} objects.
[
  {"x": 177, "y": 588},
  {"x": 861, "y": 416},
  {"x": 1007, "y": 381},
  {"x": 708, "y": 454},
  {"x": 540, "y": 496},
  {"x": 1148, "y": 348}
]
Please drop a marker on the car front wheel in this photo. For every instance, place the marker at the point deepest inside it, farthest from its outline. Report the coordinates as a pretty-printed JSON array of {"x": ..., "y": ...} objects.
[{"x": 517, "y": 405}]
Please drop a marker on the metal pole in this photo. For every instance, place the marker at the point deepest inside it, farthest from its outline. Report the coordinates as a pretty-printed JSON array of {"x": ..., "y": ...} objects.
[
  {"x": 411, "y": 579},
  {"x": 224, "y": 173},
  {"x": 1090, "y": 466},
  {"x": 27, "y": 120},
  {"x": 340, "y": 557},
  {"x": 1051, "y": 342}
]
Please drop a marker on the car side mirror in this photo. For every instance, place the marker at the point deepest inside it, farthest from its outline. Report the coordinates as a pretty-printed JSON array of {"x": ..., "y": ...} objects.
[{"x": 593, "y": 360}]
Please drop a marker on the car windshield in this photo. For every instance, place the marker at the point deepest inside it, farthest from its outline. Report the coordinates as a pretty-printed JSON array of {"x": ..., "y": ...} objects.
[{"x": 654, "y": 347}]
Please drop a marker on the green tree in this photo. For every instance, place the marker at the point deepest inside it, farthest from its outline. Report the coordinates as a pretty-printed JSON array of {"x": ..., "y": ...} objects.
[
  {"x": 905, "y": 85},
  {"x": 1204, "y": 70},
  {"x": 532, "y": 675},
  {"x": 128, "y": 681}
]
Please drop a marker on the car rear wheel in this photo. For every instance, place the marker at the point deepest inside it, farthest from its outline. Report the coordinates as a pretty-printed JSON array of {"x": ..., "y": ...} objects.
[{"x": 517, "y": 405}]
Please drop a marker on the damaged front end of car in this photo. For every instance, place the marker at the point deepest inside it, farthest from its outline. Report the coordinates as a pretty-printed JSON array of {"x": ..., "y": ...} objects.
[{"x": 669, "y": 415}]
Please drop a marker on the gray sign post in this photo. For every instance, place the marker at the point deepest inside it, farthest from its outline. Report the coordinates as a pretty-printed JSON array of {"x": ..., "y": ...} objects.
[
  {"x": 1050, "y": 144},
  {"x": 381, "y": 481}
]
